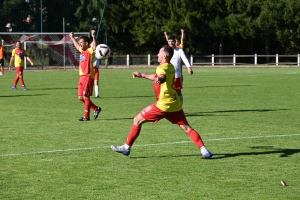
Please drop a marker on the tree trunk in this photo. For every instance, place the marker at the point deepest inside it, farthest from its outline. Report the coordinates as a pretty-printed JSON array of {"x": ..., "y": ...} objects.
[
  {"x": 267, "y": 49},
  {"x": 252, "y": 50},
  {"x": 221, "y": 46}
]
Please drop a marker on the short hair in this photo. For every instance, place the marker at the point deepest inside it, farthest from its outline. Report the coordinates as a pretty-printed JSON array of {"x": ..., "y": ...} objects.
[
  {"x": 86, "y": 39},
  {"x": 168, "y": 50},
  {"x": 171, "y": 37}
]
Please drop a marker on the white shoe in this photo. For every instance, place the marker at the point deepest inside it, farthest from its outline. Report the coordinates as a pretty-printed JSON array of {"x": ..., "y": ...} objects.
[{"x": 121, "y": 149}]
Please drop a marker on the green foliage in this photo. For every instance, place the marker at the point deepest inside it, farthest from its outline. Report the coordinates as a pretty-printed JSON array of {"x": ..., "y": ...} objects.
[
  {"x": 137, "y": 26},
  {"x": 248, "y": 117}
]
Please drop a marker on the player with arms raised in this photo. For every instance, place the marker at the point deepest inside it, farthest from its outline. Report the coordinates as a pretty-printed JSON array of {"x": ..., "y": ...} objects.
[
  {"x": 86, "y": 73},
  {"x": 167, "y": 105},
  {"x": 176, "y": 60}
]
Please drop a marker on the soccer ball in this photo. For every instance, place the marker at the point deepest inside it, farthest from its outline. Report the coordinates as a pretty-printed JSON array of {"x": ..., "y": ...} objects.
[{"x": 102, "y": 51}]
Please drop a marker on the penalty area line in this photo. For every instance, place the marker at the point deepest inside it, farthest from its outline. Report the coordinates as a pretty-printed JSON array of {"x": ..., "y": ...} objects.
[{"x": 143, "y": 145}]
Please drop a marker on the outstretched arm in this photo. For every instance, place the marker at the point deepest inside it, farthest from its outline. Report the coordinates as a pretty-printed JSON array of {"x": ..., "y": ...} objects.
[
  {"x": 74, "y": 41},
  {"x": 143, "y": 75}
]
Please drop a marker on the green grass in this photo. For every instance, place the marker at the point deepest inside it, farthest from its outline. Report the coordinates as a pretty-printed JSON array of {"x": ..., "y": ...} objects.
[{"x": 247, "y": 117}]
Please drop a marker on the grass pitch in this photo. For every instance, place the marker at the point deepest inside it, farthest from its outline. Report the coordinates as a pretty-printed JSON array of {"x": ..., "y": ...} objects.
[{"x": 247, "y": 117}]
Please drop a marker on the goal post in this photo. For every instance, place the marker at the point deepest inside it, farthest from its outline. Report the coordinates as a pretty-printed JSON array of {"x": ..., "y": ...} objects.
[{"x": 55, "y": 50}]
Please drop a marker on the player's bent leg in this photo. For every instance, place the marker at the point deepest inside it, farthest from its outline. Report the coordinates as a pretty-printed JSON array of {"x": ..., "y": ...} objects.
[{"x": 138, "y": 120}]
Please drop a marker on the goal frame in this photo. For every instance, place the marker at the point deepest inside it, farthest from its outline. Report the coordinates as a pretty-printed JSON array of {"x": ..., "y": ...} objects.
[{"x": 40, "y": 41}]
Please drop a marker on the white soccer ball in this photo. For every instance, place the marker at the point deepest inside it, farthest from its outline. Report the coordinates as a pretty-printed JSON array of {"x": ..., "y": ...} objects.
[{"x": 102, "y": 51}]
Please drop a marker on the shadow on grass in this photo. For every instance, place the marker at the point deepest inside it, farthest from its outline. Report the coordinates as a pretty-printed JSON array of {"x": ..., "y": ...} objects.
[
  {"x": 54, "y": 88},
  {"x": 220, "y": 86},
  {"x": 124, "y": 97},
  {"x": 25, "y": 95},
  {"x": 269, "y": 150},
  {"x": 231, "y": 111},
  {"x": 131, "y": 118}
]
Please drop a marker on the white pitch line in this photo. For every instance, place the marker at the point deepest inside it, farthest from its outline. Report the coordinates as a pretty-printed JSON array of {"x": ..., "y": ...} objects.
[{"x": 143, "y": 145}]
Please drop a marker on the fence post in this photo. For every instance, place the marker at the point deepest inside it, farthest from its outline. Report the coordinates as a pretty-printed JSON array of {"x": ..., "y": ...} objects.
[
  {"x": 276, "y": 59},
  {"x": 25, "y": 64},
  {"x": 212, "y": 60},
  {"x": 255, "y": 59},
  {"x": 298, "y": 59},
  {"x": 234, "y": 59},
  {"x": 106, "y": 62},
  {"x": 149, "y": 60},
  {"x": 127, "y": 60},
  {"x": 191, "y": 60}
]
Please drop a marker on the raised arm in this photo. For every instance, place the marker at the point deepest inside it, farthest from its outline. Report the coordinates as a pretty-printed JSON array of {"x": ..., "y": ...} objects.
[
  {"x": 94, "y": 42},
  {"x": 166, "y": 35},
  {"x": 182, "y": 35},
  {"x": 74, "y": 41}
]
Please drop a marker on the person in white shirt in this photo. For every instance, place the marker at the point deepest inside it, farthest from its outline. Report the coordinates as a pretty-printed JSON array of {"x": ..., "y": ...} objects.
[{"x": 176, "y": 60}]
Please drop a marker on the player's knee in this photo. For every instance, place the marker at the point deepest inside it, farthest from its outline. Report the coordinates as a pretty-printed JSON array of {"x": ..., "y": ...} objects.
[
  {"x": 186, "y": 128},
  {"x": 138, "y": 120},
  {"x": 80, "y": 98}
]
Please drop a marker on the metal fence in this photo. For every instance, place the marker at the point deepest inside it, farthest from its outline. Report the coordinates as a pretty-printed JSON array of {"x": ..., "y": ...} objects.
[{"x": 213, "y": 60}]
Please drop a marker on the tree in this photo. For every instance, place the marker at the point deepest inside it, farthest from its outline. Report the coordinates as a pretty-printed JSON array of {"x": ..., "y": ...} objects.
[{"x": 218, "y": 21}]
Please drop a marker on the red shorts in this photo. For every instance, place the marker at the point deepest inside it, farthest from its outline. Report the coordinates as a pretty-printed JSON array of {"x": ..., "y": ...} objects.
[
  {"x": 153, "y": 114},
  {"x": 85, "y": 86},
  {"x": 178, "y": 83},
  {"x": 19, "y": 70},
  {"x": 96, "y": 71}
]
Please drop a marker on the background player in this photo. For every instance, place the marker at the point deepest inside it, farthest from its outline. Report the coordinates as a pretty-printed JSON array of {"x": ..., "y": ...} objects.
[
  {"x": 179, "y": 43},
  {"x": 176, "y": 60},
  {"x": 96, "y": 65},
  {"x": 2, "y": 48},
  {"x": 86, "y": 73},
  {"x": 18, "y": 55}
]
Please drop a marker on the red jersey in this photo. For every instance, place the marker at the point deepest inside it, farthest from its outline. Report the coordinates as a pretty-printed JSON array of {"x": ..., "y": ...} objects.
[{"x": 86, "y": 62}]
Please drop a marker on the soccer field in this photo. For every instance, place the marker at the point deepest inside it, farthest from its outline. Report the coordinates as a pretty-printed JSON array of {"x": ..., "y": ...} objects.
[{"x": 247, "y": 117}]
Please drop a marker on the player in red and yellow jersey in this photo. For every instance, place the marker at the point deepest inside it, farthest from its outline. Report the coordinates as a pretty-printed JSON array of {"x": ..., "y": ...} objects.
[
  {"x": 86, "y": 73},
  {"x": 167, "y": 105},
  {"x": 18, "y": 54},
  {"x": 2, "y": 48}
]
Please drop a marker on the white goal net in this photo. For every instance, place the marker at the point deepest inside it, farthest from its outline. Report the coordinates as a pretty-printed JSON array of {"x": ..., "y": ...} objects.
[{"x": 54, "y": 50}]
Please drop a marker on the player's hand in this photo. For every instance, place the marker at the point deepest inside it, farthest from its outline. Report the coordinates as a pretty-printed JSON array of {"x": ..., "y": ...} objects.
[
  {"x": 136, "y": 74},
  {"x": 190, "y": 71},
  {"x": 71, "y": 35},
  {"x": 93, "y": 33},
  {"x": 182, "y": 30}
]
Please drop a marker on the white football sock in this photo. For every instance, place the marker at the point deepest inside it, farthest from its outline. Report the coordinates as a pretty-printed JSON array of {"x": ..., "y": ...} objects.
[
  {"x": 96, "y": 90},
  {"x": 203, "y": 150}
]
